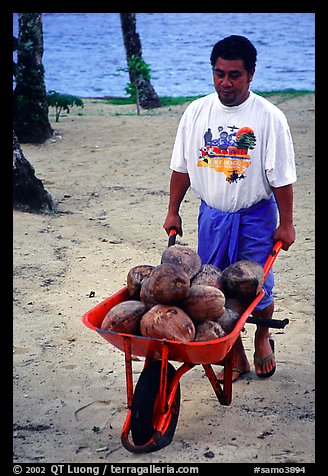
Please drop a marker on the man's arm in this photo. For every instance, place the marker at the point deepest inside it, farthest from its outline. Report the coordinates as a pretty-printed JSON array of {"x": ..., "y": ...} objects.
[
  {"x": 285, "y": 231},
  {"x": 179, "y": 185}
]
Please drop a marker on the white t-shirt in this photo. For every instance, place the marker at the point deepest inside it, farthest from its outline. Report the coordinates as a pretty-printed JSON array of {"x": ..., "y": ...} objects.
[{"x": 233, "y": 155}]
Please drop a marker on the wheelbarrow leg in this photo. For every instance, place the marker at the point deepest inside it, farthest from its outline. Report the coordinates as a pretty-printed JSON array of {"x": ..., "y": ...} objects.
[
  {"x": 223, "y": 392},
  {"x": 128, "y": 371},
  {"x": 153, "y": 415}
]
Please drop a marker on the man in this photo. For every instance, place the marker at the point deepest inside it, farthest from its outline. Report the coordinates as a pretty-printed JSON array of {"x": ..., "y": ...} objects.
[{"x": 242, "y": 177}]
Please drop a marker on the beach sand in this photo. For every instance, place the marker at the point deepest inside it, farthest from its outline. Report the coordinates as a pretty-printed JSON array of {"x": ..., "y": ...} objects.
[{"x": 108, "y": 171}]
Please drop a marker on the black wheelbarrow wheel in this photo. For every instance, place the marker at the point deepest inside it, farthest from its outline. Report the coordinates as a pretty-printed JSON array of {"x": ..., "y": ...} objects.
[{"x": 143, "y": 411}]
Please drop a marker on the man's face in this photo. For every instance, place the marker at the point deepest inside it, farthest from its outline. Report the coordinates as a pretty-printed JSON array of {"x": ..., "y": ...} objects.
[{"x": 231, "y": 81}]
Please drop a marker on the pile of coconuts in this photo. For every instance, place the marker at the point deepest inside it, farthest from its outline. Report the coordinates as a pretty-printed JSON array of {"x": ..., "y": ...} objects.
[{"x": 183, "y": 300}]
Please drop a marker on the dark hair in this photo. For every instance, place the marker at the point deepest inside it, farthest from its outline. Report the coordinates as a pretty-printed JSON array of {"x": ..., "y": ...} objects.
[{"x": 235, "y": 47}]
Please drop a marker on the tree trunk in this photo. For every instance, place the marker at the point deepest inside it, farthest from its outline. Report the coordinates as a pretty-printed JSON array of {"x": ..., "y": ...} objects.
[
  {"x": 31, "y": 123},
  {"x": 28, "y": 191},
  {"x": 147, "y": 95}
]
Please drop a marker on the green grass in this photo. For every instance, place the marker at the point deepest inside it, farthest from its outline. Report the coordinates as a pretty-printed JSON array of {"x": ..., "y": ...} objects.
[
  {"x": 288, "y": 93},
  {"x": 166, "y": 100},
  {"x": 118, "y": 101},
  {"x": 175, "y": 101}
]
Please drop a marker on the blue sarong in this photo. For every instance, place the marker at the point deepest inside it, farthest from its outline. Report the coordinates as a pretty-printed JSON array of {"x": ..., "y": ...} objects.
[{"x": 224, "y": 238}]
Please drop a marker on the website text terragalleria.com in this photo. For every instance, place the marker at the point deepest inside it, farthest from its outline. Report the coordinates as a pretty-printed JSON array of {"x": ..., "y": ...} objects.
[
  {"x": 56, "y": 469},
  {"x": 105, "y": 469}
]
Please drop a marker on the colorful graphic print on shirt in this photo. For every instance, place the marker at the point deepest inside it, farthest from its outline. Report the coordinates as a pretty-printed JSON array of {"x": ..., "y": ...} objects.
[{"x": 228, "y": 153}]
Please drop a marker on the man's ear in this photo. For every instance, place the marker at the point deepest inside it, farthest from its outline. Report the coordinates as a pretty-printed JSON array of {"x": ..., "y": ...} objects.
[{"x": 251, "y": 74}]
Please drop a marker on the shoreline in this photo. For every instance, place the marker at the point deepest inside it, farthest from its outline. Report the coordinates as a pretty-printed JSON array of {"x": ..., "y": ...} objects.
[{"x": 127, "y": 100}]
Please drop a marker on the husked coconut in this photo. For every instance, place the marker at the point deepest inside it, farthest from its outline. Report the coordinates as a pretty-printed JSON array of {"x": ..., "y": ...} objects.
[
  {"x": 135, "y": 277},
  {"x": 209, "y": 330},
  {"x": 204, "y": 303},
  {"x": 183, "y": 256},
  {"x": 235, "y": 305},
  {"x": 124, "y": 317},
  {"x": 167, "y": 322},
  {"x": 228, "y": 320},
  {"x": 145, "y": 294},
  {"x": 210, "y": 275},
  {"x": 168, "y": 284},
  {"x": 243, "y": 280}
]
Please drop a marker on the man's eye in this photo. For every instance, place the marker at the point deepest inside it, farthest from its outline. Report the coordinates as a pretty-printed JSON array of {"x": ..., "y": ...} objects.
[{"x": 221, "y": 74}]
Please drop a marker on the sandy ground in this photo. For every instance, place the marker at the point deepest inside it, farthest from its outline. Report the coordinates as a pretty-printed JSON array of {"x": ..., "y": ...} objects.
[{"x": 108, "y": 171}]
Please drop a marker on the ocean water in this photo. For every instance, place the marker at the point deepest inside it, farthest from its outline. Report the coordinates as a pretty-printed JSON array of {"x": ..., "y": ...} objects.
[{"x": 82, "y": 51}]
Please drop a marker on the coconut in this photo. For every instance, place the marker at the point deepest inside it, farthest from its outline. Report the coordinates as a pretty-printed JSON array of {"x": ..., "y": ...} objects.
[
  {"x": 145, "y": 294},
  {"x": 210, "y": 275},
  {"x": 183, "y": 256},
  {"x": 167, "y": 284},
  {"x": 135, "y": 277},
  {"x": 235, "y": 305},
  {"x": 124, "y": 317},
  {"x": 243, "y": 280},
  {"x": 204, "y": 303},
  {"x": 167, "y": 322},
  {"x": 209, "y": 330},
  {"x": 228, "y": 320}
]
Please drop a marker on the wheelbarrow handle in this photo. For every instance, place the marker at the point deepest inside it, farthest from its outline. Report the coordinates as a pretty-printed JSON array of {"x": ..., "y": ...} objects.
[
  {"x": 272, "y": 258},
  {"x": 172, "y": 236},
  {"x": 273, "y": 323}
]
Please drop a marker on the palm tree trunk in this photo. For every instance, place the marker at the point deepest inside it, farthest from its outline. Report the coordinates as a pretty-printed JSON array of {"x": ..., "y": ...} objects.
[
  {"x": 29, "y": 193},
  {"x": 147, "y": 95},
  {"x": 31, "y": 122}
]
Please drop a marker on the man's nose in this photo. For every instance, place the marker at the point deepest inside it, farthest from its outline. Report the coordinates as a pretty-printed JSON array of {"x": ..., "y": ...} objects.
[{"x": 226, "y": 82}]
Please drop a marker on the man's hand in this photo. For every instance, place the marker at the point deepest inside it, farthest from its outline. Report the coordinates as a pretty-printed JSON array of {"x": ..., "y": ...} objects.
[
  {"x": 286, "y": 234},
  {"x": 173, "y": 220}
]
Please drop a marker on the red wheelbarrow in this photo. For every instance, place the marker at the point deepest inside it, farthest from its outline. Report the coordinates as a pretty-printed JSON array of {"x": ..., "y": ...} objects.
[{"x": 154, "y": 404}]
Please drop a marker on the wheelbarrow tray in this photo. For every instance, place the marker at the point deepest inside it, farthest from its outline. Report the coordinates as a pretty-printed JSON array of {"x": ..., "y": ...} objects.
[
  {"x": 152, "y": 415},
  {"x": 208, "y": 352}
]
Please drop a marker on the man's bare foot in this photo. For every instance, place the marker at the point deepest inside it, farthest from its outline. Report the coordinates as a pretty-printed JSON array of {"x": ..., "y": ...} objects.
[
  {"x": 236, "y": 372},
  {"x": 264, "y": 359},
  {"x": 240, "y": 363}
]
